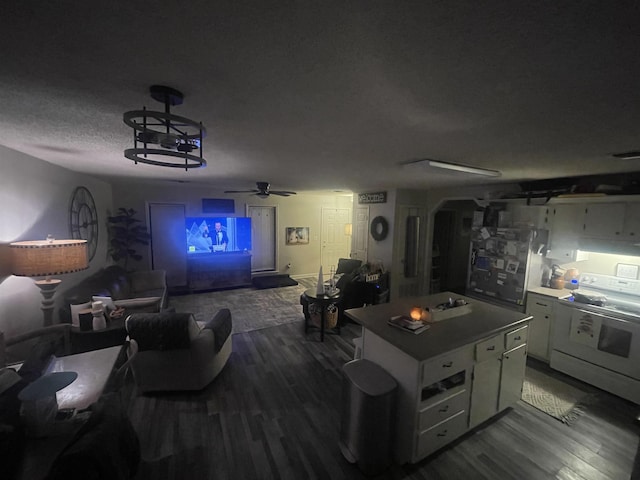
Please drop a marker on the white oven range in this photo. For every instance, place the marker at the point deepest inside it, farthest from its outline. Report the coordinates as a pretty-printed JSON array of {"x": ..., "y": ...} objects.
[{"x": 596, "y": 335}]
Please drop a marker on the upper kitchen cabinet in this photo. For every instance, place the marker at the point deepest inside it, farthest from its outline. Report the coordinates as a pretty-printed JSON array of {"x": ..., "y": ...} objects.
[
  {"x": 566, "y": 222},
  {"x": 631, "y": 229},
  {"x": 607, "y": 225},
  {"x": 604, "y": 220}
]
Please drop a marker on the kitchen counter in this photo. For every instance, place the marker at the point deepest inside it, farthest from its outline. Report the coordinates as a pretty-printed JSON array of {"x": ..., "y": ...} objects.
[
  {"x": 453, "y": 376},
  {"x": 551, "y": 292},
  {"x": 443, "y": 336}
]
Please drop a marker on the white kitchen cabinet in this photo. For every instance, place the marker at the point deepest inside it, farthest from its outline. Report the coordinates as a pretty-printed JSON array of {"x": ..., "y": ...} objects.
[
  {"x": 567, "y": 221},
  {"x": 631, "y": 228},
  {"x": 486, "y": 388},
  {"x": 541, "y": 308},
  {"x": 497, "y": 378},
  {"x": 604, "y": 220},
  {"x": 513, "y": 366}
]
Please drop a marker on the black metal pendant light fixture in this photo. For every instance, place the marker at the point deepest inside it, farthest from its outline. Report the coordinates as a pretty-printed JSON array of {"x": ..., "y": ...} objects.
[{"x": 179, "y": 138}]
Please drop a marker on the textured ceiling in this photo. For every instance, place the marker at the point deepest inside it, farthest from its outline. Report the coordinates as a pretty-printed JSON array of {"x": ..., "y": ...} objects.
[{"x": 332, "y": 94}]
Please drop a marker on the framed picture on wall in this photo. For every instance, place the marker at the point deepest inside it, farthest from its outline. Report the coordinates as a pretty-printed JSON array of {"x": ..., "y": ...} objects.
[{"x": 297, "y": 236}]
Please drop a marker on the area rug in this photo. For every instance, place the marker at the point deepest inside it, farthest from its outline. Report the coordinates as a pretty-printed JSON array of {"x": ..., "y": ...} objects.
[
  {"x": 553, "y": 397},
  {"x": 251, "y": 309},
  {"x": 273, "y": 281}
]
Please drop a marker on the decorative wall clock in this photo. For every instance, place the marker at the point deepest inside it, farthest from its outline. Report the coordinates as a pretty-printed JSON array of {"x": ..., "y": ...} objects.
[{"x": 83, "y": 219}]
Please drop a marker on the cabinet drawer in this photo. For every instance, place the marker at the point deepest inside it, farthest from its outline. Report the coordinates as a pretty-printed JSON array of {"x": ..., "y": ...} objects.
[
  {"x": 445, "y": 408},
  {"x": 516, "y": 337},
  {"x": 441, "y": 434},
  {"x": 490, "y": 348},
  {"x": 446, "y": 365},
  {"x": 535, "y": 300}
]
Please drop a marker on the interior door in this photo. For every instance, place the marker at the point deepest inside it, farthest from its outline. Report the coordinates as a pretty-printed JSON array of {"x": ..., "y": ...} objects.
[
  {"x": 361, "y": 234},
  {"x": 334, "y": 240},
  {"x": 168, "y": 241},
  {"x": 263, "y": 237}
]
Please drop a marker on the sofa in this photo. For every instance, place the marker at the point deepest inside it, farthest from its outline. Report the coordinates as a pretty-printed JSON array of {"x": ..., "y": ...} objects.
[
  {"x": 355, "y": 290},
  {"x": 177, "y": 353},
  {"x": 144, "y": 291},
  {"x": 115, "y": 282}
]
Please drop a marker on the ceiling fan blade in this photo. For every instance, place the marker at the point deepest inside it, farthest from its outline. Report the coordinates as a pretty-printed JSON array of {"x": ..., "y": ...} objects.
[
  {"x": 282, "y": 193},
  {"x": 241, "y": 191}
]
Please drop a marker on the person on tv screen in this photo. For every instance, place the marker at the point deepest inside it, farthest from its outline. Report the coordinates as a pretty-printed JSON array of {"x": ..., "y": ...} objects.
[{"x": 219, "y": 238}]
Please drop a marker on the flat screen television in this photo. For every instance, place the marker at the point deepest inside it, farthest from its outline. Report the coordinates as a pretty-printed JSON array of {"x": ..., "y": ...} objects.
[{"x": 218, "y": 235}]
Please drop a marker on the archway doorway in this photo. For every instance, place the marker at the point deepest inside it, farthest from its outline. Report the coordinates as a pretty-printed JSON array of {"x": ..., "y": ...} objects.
[{"x": 450, "y": 246}]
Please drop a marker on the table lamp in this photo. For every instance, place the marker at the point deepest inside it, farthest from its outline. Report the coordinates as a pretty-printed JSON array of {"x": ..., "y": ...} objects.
[{"x": 44, "y": 258}]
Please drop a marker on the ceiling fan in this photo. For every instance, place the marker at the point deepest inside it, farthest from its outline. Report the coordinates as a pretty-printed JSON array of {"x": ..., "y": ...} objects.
[{"x": 263, "y": 191}]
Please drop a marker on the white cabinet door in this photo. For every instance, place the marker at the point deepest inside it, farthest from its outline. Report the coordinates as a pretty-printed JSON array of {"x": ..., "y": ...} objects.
[
  {"x": 604, "y": 220},
  {"x": 566, "y": 229},
  {"x": 484, "y": 391},
  {"x": 513, "y": 365},
  {"x": 631, "y": 227},
  {"x": 541, "y": 308}
]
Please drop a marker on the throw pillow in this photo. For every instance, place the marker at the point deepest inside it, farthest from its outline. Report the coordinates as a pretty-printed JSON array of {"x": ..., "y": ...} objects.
[{"x": 161, "y": 331}]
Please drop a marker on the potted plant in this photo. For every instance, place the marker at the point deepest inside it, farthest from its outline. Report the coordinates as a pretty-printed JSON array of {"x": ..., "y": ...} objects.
[{"x": 126, "y": 232}]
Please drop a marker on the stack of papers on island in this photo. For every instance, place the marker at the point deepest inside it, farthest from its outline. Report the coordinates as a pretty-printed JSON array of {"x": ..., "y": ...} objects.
[{"x": 407, "y": 324}]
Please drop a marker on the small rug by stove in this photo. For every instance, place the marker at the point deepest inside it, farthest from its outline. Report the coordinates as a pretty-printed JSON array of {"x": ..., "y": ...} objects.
[
  {"x": 554, "y": 397},
  {"x": 273, "y": 281}
]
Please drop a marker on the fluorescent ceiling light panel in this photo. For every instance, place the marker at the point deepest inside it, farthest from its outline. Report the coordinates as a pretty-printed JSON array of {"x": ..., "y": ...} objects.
[{"x": 456, "y": 167}]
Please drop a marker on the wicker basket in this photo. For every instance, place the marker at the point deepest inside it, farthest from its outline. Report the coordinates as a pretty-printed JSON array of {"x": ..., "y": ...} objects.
[
  {"x": 315, "y": 310},
  {"x": 330, "y": 315}
]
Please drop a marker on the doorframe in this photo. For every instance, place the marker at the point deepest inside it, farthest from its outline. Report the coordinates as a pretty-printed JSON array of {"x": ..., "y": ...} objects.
[{"x": 431, "y": 217}]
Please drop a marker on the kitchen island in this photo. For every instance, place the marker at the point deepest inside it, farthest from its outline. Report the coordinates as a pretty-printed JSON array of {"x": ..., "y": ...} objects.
[{"x": 455, "y": 375}]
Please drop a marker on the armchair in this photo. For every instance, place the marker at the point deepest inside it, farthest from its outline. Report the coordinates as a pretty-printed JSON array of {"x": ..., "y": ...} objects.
[
  {"x": 177, "y": 353},
  {"x": 355, "y": 290}
]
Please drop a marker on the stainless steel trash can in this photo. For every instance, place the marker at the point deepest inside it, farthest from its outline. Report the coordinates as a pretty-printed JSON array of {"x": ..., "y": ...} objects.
[{"x": 368, "y": 410}]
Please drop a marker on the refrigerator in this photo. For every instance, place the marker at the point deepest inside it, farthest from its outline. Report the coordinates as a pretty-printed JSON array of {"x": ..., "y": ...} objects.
[{"x": 501, "y": 262}]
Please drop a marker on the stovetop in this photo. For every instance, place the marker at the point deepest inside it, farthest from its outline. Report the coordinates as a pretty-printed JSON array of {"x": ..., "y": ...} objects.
[{"x": 609, "y": 294}]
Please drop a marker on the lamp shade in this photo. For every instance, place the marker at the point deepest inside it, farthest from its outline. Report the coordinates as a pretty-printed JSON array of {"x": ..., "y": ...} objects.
[{"x": 41, "y": 258}]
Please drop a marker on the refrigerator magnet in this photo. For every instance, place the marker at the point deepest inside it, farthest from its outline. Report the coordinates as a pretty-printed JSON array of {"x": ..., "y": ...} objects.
[{"x": 512, "y": 267}]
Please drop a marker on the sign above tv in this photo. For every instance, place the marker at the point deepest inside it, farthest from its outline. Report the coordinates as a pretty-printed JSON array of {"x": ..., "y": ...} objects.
[{"x": 375, "y": 197}]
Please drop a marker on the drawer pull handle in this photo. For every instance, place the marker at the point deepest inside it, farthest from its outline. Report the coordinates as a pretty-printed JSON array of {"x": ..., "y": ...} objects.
[
  {"x": 517, "y": 338},
  {"x": 542, "y": 304},
  {"x": 491, "y": 348},
  {"x": 444, "y": 409},
  {"x": 443, "y": 434},
  {"x": 447, "y": 365}
]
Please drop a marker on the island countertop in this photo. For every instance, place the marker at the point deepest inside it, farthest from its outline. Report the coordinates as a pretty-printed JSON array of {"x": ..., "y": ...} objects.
[{"x": 443, "y": 336}]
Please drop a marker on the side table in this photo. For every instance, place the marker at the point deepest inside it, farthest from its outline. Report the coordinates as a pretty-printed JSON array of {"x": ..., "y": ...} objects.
[{"x": 324, "y": 300}]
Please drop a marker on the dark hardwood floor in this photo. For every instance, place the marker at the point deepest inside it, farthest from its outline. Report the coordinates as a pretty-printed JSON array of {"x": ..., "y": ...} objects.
[{"x": 274, "y": 412}]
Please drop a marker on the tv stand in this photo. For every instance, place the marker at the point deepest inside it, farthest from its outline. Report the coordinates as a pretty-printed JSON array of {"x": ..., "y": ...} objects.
[{"x": 208, "y": 271}]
